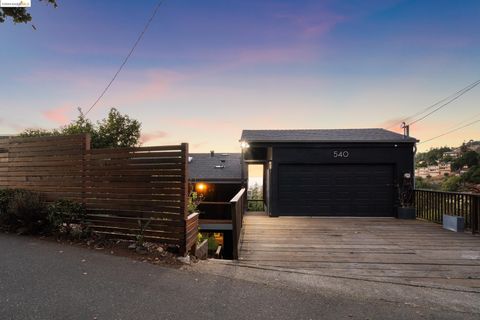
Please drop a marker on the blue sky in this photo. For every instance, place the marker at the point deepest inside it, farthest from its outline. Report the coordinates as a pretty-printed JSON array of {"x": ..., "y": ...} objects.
[{"x": 207, "y": 69}]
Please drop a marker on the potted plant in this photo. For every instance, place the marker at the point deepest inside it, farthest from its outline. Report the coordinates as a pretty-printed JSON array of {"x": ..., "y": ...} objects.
[{"x": 406, "y": 210}]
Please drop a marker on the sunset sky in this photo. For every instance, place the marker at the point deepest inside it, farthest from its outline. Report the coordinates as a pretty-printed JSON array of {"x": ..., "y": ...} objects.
[{"x": 205, "y": 70}]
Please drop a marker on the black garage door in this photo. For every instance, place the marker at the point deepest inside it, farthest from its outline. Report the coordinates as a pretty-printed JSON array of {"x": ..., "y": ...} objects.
[{"x": 335, "y": 190}]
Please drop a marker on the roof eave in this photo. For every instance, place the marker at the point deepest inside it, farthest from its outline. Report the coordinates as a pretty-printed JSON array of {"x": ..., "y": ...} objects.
[
  {"x": 213, "y": 180},
  {"x": 332, "y": 141}
]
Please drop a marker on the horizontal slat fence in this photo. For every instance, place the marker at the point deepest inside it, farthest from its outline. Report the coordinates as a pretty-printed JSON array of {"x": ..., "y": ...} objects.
[
  {"x": 51, "y": 165},
  {"x": 122, "y": 188},
  {"x": 432, "y": 205}
]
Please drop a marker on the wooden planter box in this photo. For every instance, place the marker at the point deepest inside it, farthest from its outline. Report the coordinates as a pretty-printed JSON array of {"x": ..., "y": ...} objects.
[
  {"x": 201, "y": 250},
  {"x": 453, "y": 223}
]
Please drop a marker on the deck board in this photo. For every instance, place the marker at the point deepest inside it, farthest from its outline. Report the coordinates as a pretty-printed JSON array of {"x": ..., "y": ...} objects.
[{"x": 372, "y": 248}]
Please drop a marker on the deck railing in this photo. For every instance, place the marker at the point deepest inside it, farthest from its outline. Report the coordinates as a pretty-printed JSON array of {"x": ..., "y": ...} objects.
[
  {"x": 237, "y": 207},
  {"x": 432, "y": 205}
]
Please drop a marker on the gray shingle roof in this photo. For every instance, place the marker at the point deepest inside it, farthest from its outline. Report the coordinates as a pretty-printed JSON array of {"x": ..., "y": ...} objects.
[
  {"x": 204, "y": 167},
  {"x": 324, "y": 135}
]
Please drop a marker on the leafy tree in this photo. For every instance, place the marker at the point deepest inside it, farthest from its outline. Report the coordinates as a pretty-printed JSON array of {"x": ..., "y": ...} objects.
[
  {"x": 448, "y": 159},
  {"x": 421, "y": 183},
  {"x": 256, "y": 193},
  {"x": 39, "y": 132},
  {"x": 20, "y": 15},
  {"x": 452, "y": 183},
  {"x": 431, "y": 157},
  {"x": 472, "y": 175},
  {"x": 469, "y": 158},
  {"x": 115, "y": 131}
]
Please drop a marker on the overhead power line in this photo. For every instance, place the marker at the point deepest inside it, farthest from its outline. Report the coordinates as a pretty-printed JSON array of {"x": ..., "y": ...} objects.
[
  {"x": 140, "y": 36},
  {"x": 452, "y": 131},
  {"x": 464, "y": 121},
  {"x": 447, "y": 103},
  {"x": 407, "y": 119},
  {"x": 449, "y": 99}
]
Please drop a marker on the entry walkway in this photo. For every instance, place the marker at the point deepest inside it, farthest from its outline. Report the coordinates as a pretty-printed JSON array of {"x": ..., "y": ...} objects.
[{"x": 378, "y": 249}]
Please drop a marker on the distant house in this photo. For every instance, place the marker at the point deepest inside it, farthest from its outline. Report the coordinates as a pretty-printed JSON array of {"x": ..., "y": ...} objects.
[
  {"x": 422, "y": 172},
  {"x": 441, "y": 169},
  {"x": 463, "y": 170},
  {"x": 452, "y": 154},
  {"x": 444, "y": 169}
]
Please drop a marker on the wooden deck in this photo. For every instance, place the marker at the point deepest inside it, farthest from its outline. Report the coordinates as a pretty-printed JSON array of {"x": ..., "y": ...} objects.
[{"x": 383, "y": 249}]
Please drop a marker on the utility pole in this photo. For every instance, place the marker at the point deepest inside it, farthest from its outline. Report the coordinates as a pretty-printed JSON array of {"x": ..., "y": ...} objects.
[{"x": 406, "y": 129}]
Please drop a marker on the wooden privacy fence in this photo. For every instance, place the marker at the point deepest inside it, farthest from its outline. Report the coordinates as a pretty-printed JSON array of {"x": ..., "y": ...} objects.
[
  {"x": 432, "y": 205},
  {"x": 120, "y": 187}
]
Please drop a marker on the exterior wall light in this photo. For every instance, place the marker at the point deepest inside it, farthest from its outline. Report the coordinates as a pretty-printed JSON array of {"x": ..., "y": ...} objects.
[
  {"x": 201, "y": 187},
  {"x": 244, "y": 145}
]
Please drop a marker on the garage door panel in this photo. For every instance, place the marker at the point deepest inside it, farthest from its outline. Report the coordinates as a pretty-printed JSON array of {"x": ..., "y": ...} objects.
[{"x": 335, "y": 190}]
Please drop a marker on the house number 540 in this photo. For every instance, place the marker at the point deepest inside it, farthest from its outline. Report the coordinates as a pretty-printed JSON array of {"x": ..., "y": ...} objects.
[{"x": 341, "y": 154}]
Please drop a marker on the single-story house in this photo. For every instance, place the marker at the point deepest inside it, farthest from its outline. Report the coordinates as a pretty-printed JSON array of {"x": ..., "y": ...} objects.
[{"x": 338, "y": 172}]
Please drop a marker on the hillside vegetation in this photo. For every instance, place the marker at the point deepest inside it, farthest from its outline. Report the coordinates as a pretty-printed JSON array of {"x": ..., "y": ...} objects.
[{"x": 465, "y": 165}]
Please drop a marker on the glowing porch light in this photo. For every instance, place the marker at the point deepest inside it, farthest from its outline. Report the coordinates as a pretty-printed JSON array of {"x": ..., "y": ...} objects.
[
  {"x": 244, "y": 145},
  {"x": 201, "y": 187}
]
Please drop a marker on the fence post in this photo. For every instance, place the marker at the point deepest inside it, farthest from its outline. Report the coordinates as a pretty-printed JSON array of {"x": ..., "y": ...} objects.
[
  {"x": 233, "y": 210},
  {"x": 85, "y": 148},
  {"x": 476, "y": 214},
  {"x": 184, "y": 201},
  {"x": 184, "y": 205}
]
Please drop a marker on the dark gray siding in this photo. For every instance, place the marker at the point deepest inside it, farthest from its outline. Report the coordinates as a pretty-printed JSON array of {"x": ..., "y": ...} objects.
[{"x": 368, "y": 159}]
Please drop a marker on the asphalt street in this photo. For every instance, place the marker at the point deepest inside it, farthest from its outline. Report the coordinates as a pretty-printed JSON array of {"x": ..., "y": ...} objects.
[{"x": 40, "y": 279}]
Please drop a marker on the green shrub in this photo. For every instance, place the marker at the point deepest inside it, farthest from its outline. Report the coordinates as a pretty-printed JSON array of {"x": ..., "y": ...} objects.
[
  {"x": 452, "y": 183},
  {"x": 26, "y": 211},
  {"x": 5, "y": 198},
  {"x": 194, "y": 200},
  {"x": 421, "y": 183},
  {"x": 472, "y": 175},
  {"x": 63, "y": 214}
]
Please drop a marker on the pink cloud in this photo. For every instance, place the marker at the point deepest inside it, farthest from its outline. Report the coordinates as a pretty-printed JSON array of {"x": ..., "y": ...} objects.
[
  {"x": 313, "y": 25},
  {"x": 58, "y": 115},
  {"x": 153, "y": 84},
  {"x": 273, "y": 55},
  {"x": 147, "y": 137},
  {"x": 392, "y": 124},
  {"x": 133, "y": 86}
]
